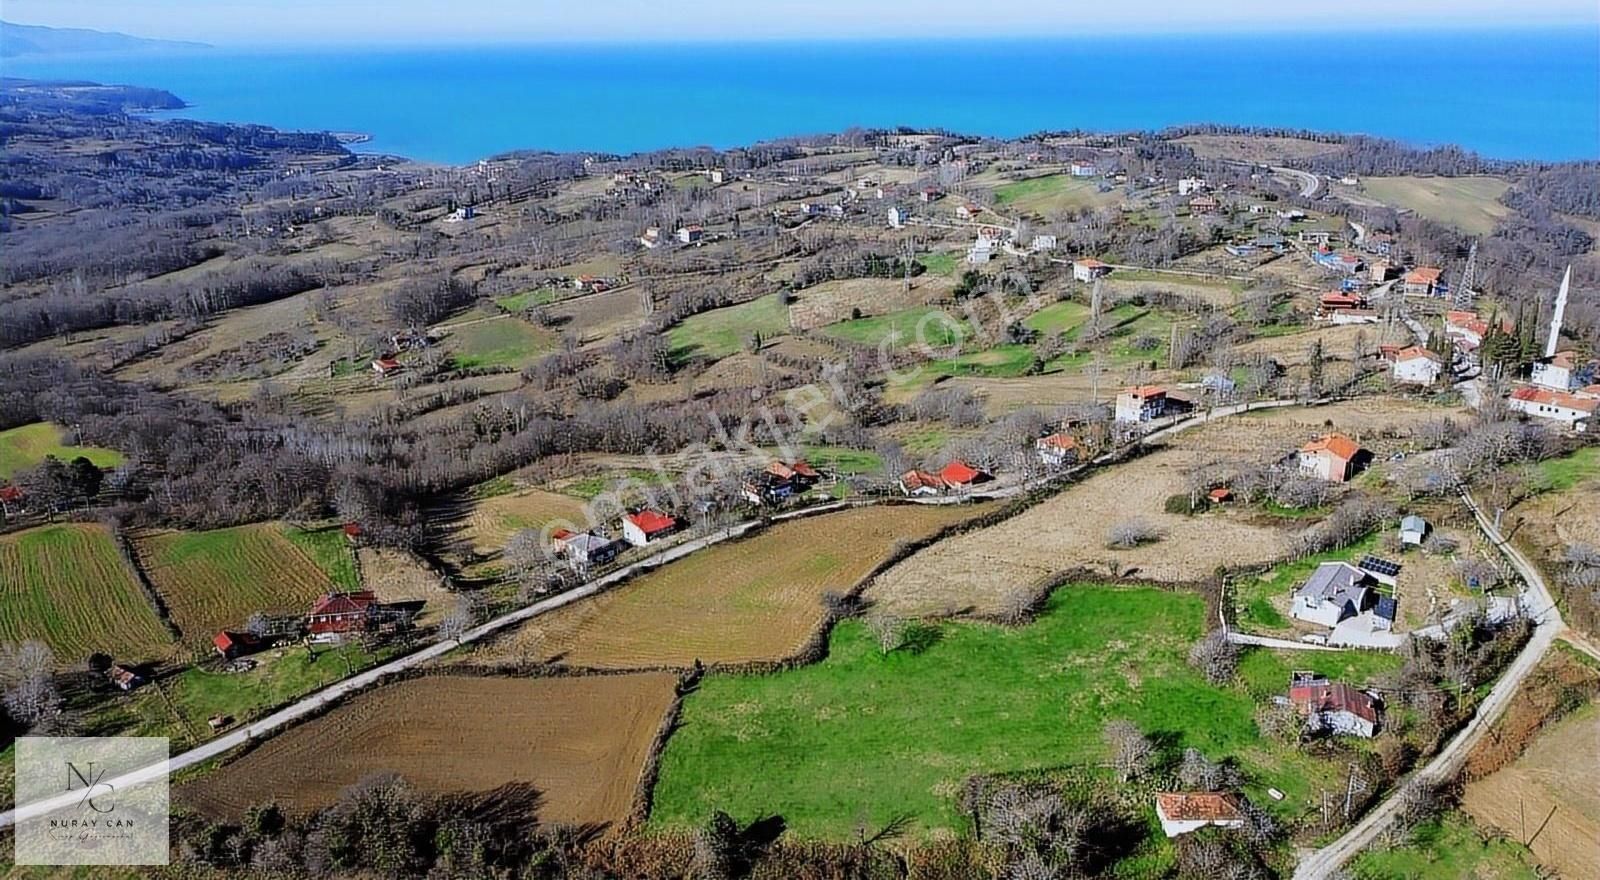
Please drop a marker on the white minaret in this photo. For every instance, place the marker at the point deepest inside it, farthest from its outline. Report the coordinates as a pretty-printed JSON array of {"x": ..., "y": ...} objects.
[{"x": 1551, "y": 344}]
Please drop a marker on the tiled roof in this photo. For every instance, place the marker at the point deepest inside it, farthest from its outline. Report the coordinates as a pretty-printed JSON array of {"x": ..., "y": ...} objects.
[
  {"x": 1338, "y": 444},
  {"x": 650, "y": 521},
  {"x": 1198, "y": 806},
  {"x": 1325, "y": 696}
]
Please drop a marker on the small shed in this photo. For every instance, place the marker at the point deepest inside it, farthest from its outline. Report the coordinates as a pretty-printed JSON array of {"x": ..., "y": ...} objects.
[{"x": 1413, "y": 530}]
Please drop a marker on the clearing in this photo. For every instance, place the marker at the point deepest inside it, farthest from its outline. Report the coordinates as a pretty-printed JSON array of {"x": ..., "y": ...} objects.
[
  {"x": 215, "y": 580},
  {"x": 1052, "y": 193},
  {"x": 865, "y": 738},
  {"x": 581, "y": 741},
  {"x": 28, "y": 445},
  {"x": 759, "y": 598},
  {"x": 67, "y": 586},
  {"x": 721, "y": 332},
  {"x": 497, "y": 341},
  {"x": 1449, "y": 847},
  {"x": 1468, "y": 203}
]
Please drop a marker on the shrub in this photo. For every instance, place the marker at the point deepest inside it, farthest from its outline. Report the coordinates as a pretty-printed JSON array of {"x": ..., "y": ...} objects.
[{"x": 1132, "y": 533}]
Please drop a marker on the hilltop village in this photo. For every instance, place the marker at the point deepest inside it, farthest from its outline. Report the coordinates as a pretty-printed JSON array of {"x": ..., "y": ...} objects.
[{"x": 889, "y": 503}]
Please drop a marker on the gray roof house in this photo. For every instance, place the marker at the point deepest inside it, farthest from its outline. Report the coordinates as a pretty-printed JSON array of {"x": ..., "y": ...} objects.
[
  {"x": 1413, "y": 529},
  {"x": 1335, "y": 591}
]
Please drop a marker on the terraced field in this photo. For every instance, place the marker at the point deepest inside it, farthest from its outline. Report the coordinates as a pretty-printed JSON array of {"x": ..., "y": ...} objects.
[
  {"x": 217, "y": 579},
  {"x": 67, "y": 586},
  {"x": 580, "y": 741},
  {"x": 754, "y": 599}
]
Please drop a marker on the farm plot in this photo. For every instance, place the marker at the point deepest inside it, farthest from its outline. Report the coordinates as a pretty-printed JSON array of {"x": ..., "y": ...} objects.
[
  {"x": 753, "y": 599},
  {"x": 1468, "y": 203},
  {"x": 497, "y": 341},
  {"x": 28, "y": 445},
  {"x": 834, "y": 301},
  {"x": 217, "y": 579},
  {"x": 1051, "y": 193},
  {"x": 599, "y": 316},
  {"x": 581, "y": 741},
  {"x": 1559, "y": 777},
  {"x": 492, "y": 521},
  {"x": 721, "y": 332},
  {"x": 1338, "y": 343},
  {"x": 922, "y": 325},
  {"x": 67, "y": 586},
  {"x": 865, "y": 737}
]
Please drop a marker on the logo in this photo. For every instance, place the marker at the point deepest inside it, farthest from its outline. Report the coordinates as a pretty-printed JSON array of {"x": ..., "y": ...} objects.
[{"x": 92, "y": 801}]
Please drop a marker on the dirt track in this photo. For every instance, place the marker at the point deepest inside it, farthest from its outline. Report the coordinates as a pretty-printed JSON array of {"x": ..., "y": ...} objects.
[{"x": 580, "y": 741}]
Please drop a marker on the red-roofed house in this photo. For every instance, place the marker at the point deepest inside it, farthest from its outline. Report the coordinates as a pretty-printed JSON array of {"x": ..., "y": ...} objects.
[
  {"x": 1181, "y": 812},
  {"x": 915, "y": 482},
  {"x": 386, "y": 366},
  {"x": 1141, "y": 403},
  {"x": 1057, "y": 450},
  {"x": 339, "y": 613},
  {"x": 1416, "y": 366},
  {"x": 1339, "y": 299},
  {"x": 960, "y": 475},
  {"x": 1421, "y": 281},
  {"x": 235, "y": 644},
  {"x": 1334, "y": 706},
  {"x": 1088, "y": 269},
  {"x": 647, "y": 525},
  {"x": 1331, "y": 457},
  {"x": 353, "y": 532},
  {"x": 11, "y": 499},
  {"x": 1576, "y": 411}
]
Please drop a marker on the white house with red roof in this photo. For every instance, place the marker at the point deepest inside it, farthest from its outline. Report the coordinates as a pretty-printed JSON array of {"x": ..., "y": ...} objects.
[
  {"x": 1141, "y": 403},
  {"x": 1416, "y": 366},
  {"x": 960, "y": 475},
  {"x": 1573, "y": 410},
  {"x": 1088, "y": 269},
  {"x": 1336, "y": 707},
  {"x": 1057, "y": 450},
  {"x": 1421, "y": 281},
  {"x": 645, "y": 526},
  {"x": 386, "y": 366},
  {"x": 919, "y": 482},
  {"x": 1331, "y": 457},
  {"x": 1181, "y": 812},
  {"x": 335, "y": 614}
]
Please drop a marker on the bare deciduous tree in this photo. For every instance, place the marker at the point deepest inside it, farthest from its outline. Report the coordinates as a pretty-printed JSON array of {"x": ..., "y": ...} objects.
[
  {"x": 1132, "y": 753},
  {"x": 1215, "y": 657}
]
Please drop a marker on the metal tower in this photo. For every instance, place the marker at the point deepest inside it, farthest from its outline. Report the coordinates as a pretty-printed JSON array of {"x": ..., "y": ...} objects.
[{"x": 1463, "y": 292}]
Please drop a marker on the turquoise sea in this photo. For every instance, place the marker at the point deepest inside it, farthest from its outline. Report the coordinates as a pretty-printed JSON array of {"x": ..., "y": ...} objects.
[{"x": 1517, "y": 94}]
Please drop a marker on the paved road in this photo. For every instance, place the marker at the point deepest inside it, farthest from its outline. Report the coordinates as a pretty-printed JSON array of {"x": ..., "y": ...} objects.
[
  {"x": 1539, "y": 604},
  {"x": 1309, "y": 183}
]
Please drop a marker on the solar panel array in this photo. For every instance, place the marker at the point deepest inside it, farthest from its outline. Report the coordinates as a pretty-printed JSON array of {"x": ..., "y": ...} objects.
[{"x": 1379, "y": 566}]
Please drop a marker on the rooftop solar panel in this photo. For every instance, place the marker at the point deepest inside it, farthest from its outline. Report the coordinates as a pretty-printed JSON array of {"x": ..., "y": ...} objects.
[{"x": 1379, "y": 566}]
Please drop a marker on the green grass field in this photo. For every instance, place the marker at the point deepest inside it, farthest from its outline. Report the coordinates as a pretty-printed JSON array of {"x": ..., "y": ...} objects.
[
  {"x": 863, "y": 737},
  {"x": 721, "y": 332},
  {"x": 940, "y": 262},
  {"x": 1469, "y": 203},
  {"x": 1000, "y": 362},
  {"x": 328, "y": 548},
  {"x": 1448, "y": 848},
  {"x": 499, "y": 342},
  {"x": 67, "y": 586},
  {"x": 539, "y": 296},
  {"x": 927, "y": 324},
  {"x": 1566, "y": 472},
  {"x": 843, "y": 460},
  {"x": 1062, "y": 317},
  {"x": 631, "y": 479},
  {"x": 1052, "y": 192},
  {"x": 28, "y": 445}
]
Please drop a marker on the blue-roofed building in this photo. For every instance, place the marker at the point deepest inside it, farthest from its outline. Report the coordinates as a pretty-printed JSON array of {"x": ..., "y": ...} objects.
[{"x": 1383, "y": 613}]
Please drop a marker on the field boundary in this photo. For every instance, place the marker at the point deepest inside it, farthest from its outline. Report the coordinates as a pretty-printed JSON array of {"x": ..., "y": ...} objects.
[{"x": 130, "y": 557}]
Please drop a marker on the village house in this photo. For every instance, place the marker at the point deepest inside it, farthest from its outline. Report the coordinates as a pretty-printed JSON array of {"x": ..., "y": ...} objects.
[
  {"x": 981, "y": 252},
  {"x": 353, "y": 533},
  {"x": 1191, "y": 185},
  {"x": 968, "y": 212},
  {"x": 1379, "y": 271},
  {"x": 1043, "y": 242},
  {"x": 1332, "y": 457},
  {"x": 1416, "y": 366},
  {"x": 1413, "y": 530},
  {"x": 898, "y": 217},
  {"x": 1575, "y": 411},
  {"x": 1336, "y": 707},
  {"x": 1380, "y": 243},
  {"x": 651, "y": 238},
  {"x": 1141, "y": 403},
  {"x": 1291, "y": 214},
  {"x": 1181, "y": 812},
  {"x": 1057, "y": 450},
  {"x": 1467, "y": 329},
  {"x": 1203, "y": 205},
  {"x": 919, "y": 482},
  {"x": 1335, "y": 591},
  {"x": 1343, "y": 317},
  {"x": 691, "y": 234},
  {"x": 930, "y": 194},
  {"x": 583, "y": 549},
  {"x": 338, "y": 614},
  {"x": 12, "y": 501},
  {"x": 1564, "y": 371},
  {"x": 645, "y": 526},
  {"x": 1315, "y": 237},
  {"x": 1421, "y": 281},
  {"x": 386, "y": 366},
  {"x": 1339, "y": 299},
  {"x": 232, "y": 644},
  {"x": 958, "y": 475},
  {"x": 123, "y": 677},
  {"x": 1088, "y": 269},
  {"x": 1081, "y": 169}
]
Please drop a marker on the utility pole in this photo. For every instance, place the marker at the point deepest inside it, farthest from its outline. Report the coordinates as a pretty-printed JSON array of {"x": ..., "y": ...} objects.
[{"x": 1462, "y": 296}]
